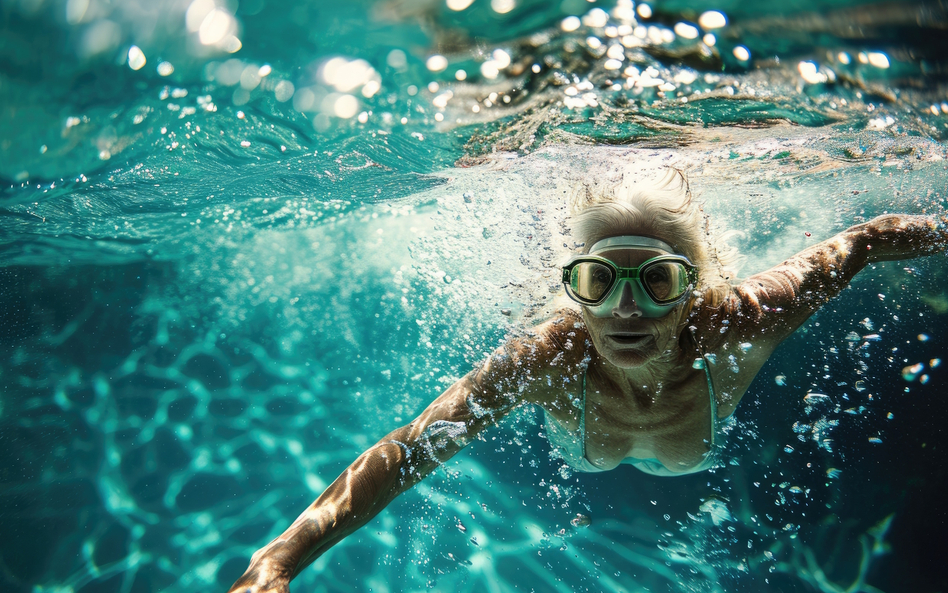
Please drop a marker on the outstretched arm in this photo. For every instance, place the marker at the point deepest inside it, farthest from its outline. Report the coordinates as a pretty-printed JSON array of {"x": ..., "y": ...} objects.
[
  {"x": 404, "y": 457},
  {"x": 767, "y": 307},
  {"x": 776, "y": 302},
  {"x": 391, "y": 466}
]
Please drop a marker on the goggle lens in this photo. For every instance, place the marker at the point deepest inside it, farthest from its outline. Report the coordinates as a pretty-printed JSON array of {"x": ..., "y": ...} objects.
[
  {"x": 590, "y": 280},
  {"x": 665, "y": 281}
]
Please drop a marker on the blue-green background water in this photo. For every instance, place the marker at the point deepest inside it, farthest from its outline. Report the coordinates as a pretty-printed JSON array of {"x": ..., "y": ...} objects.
[{"x": 225, "y": 272}]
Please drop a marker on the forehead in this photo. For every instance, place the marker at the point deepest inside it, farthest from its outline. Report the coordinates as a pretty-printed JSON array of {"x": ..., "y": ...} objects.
[{"x": 630, "y": 257}]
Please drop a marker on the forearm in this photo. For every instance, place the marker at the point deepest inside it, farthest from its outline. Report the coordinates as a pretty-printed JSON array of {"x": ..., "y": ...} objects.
[
  {"x": 355, "y": 497},
  {"x": 898, "y": 236},
  {"x": 393, "y": 465},
  {"x": 779, "y": 300}
]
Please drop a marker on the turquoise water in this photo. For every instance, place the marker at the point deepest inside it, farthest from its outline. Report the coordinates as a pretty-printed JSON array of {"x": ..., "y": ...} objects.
[{"x": 241, "y": 242}]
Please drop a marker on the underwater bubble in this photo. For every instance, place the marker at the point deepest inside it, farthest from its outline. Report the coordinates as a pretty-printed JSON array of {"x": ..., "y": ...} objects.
[
  {"x": 745, "y": 346},
  {"x": 877, "y": 59},
  {"x": 934, "y": 363},
  {"x": 596, "y": 18},
  {"x": 922, "y": 337},
  {"x": 345, "y": 106},
  {"x": 852, "y": 337},
  {"x": 686, "y": 30},
  {"x": 686, "y": 77},
  {"x": 813, "y": 399},
  {"x": 217, "y": 27},
  {"x": 136, "y": 58},
  {"x": 570, "y": 23},
  {"x": 698, "y": 363},
  {"x": 872, "y": 338},
  {"x": 909, "y": 373},
  {"x": 875, "y": 440},
  {"x": 458, "y": 5},
  {"x": 436, "y": 63},
  {"x": 397, "y": 59},
  {"x": 788, "y": 449},
  {"x": 502, "y": 6},
  {"x": 810, "y": 72},
  {"x": 860, "y": 385},
  {"x": 780, "y": 380},
  {"x": 712, "y": 19},
  {"x": 489, "y": 69},
  {"x": 501, "y": 58},
  {"x": 580, "y": 520},
  {"x": 741, "y": 53},
  {"x": 923, "y": 379},
  {"x": 283, "y": 91},
  {"x": 717, "y": 510},
  {"x": 833, "y": 473}
]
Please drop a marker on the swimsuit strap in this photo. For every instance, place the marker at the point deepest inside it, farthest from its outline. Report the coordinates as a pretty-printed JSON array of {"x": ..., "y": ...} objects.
[
  {"x": 582, "y": 417},
  {"x": 707, "y": 374}
]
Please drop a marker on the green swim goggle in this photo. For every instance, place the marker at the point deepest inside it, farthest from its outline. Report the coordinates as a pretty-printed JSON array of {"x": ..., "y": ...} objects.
[{"x": 657, "y": 285}]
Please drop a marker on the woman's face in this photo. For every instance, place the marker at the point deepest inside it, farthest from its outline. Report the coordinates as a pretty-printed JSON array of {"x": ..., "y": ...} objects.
[{"x": 620, "y": 333}]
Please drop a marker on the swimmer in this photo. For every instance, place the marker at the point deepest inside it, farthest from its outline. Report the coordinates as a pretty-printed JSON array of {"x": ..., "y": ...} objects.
[{"x": 643, "y": 370}]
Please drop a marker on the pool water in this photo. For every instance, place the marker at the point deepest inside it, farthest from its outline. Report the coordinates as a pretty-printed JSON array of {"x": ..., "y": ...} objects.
[{"x": 240, "y": 242}]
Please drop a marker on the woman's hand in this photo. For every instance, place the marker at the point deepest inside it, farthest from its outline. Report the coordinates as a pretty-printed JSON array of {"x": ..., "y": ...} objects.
[{"x": 265, "y": 575}]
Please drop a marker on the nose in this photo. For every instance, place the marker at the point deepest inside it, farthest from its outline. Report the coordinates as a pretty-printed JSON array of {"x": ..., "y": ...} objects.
[{"x": 626, "y": 307}]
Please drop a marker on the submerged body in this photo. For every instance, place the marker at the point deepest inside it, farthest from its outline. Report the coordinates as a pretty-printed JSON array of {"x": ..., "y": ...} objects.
[{"x": 617, "y": 385}]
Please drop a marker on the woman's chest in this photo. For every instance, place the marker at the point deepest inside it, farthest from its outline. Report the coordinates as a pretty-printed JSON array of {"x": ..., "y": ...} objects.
[{"x": 672, "y": 423}]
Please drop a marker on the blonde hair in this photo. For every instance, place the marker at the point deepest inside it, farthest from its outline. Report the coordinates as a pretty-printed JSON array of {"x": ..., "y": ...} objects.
[{"x": 663, "y": 208}]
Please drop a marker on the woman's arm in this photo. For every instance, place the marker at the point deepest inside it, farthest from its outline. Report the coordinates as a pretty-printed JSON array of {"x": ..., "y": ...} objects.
[
  {"x": 394, "y": 464},
  {"x": 773, "y": 304},
  {"x": 767, "y": 307},
  {"x": 405, "y": 456}
]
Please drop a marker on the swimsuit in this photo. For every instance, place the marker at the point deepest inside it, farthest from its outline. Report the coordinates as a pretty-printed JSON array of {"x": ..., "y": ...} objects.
[{"x": 572, "y": 446}]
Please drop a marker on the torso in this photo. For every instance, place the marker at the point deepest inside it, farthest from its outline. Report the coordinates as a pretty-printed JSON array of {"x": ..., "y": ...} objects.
[{"x": 671, "y": 423}]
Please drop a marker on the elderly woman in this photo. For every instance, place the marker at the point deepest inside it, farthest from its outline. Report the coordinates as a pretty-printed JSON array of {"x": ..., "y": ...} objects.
[{"x": 659, "y": 353}]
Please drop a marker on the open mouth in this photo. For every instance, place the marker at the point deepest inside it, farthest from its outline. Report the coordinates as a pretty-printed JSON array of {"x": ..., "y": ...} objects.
[{"x": 629, "y": 338}]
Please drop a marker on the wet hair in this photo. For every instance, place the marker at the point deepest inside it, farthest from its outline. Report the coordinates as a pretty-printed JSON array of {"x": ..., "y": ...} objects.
[{"x": 663, "y": 208}]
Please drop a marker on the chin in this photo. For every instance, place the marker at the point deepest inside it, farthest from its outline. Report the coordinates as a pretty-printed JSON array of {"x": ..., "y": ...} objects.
[{"x": 628, "y": 358}]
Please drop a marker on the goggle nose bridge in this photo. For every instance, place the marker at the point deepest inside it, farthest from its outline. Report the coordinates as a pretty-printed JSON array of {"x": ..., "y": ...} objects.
[{"x": 620, "y": 273}]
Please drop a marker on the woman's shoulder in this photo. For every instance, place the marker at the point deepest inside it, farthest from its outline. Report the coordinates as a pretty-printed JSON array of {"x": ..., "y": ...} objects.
[
  {"x": 712, "y": 319},
  {"x": 565, "y": 326},
  {"x": 562, "y": 337}
]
